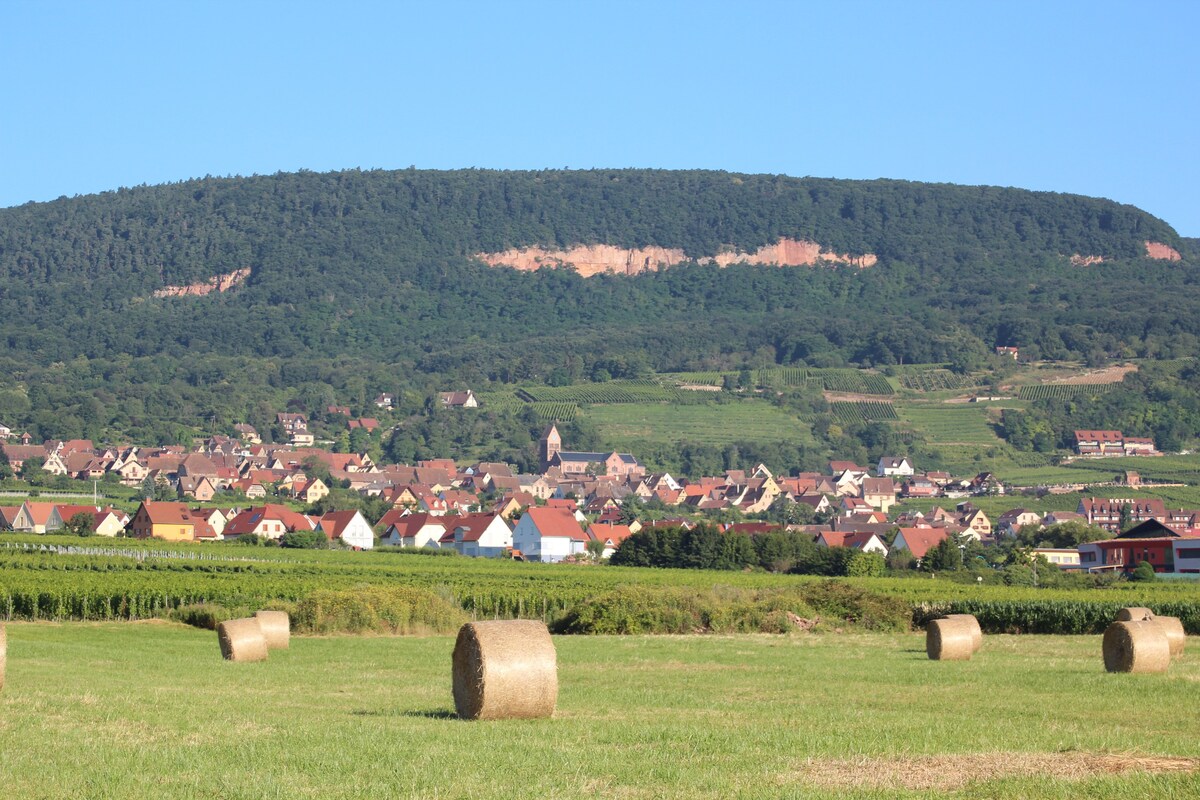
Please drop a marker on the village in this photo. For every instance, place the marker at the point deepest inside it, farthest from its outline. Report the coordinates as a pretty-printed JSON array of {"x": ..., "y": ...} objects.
[{"x": 579, "y": 506}]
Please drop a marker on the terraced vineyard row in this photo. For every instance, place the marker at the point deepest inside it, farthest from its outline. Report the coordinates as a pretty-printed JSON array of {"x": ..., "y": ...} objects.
[
  {"x": 783, "y": 376},
  {"x": 555, "y": 412},
  {"x": 963, "y": 424},
  {"x": 851, "y": 381},
  {"x": 867, "y": 411},
  {"x": 1044, "y": 391},
  {"x": 697, "y": 378},
  {"x": 605, "y": 393},
  {"x": 936, "y": 380}
]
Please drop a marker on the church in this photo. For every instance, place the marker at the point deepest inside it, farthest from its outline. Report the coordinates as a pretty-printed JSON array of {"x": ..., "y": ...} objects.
[{"x": 617, "y": 465}]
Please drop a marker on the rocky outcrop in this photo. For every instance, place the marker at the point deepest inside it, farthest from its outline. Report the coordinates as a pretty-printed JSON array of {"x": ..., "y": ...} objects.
[
  {"x": 590, "y": 260},
  {"x": 1085, "y": 261},
  {"x": 218, "y": 283},
  {"x": 1162, "y": 252}
]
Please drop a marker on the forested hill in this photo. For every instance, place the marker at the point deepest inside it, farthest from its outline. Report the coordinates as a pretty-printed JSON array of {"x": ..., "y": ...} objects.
[{"x": 368, "y": 281}]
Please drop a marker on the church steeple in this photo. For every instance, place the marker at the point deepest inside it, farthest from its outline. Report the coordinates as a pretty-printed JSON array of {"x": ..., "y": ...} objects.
[{"x": 549, "y": 446}]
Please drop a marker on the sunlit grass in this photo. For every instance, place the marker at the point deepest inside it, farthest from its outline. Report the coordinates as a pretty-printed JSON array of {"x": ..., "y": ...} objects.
[{"x": 150, "y": 710}]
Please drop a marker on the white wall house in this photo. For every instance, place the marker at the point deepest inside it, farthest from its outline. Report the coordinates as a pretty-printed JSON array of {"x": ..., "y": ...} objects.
[
  {"x": 478, "y": 535},
  {"x": 349, "y": 526},
  {"x": 892, "y": 467},
  {"x": 415, "y": 530},
  {"x": 549, "y": 535},
  {"x": 1187, "y": 555}
]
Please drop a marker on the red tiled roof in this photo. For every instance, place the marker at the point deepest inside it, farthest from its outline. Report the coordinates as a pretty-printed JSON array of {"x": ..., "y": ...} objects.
[
  {"x": 919, "y": 540},
  {"x": 334, "y": 523},
  {"x": 473, "y": 525},
  {"x": 556, "y": 522},
  {"x": 609, "y": 533},
  {"x": 65, "y": 512},
  {"x": 164, "y": 513},
  {"x": 249, "y": 519},
  {"x": 1098, "y": 436},
  {"x": 754, "y": 528},
  {"x": 409, "y": 525}
]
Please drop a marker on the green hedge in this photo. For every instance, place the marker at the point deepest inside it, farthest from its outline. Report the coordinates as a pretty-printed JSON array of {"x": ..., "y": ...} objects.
[{"x": 1049, "y": 616}]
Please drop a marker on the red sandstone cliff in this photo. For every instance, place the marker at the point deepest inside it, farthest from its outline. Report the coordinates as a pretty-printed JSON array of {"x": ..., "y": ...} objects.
[
  {"x": 218, "y": 283},
  {"x": 1161, "y": 251},
  {"x": 591, "y": 260}
]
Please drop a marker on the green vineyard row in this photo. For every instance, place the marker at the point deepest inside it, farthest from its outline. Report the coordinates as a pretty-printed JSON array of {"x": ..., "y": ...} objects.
[{"x": 49, "y": 586}]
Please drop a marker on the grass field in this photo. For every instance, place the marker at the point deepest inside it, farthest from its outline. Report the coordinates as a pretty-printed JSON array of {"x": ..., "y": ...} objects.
[
  {"x": 149, "y": 711},
  {"x": 951, "y": 424},
  {"x": 746, "y": 420}
]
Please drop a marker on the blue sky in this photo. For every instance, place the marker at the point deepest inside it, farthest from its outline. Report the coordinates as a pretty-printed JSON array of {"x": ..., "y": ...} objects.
[{"x": 1096, "y": 98}]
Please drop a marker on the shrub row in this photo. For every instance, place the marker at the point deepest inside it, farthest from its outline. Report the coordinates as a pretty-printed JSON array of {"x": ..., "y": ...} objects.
[
  {"x": 645, "y": 609},
  {"x": 1049, "y": 616}
]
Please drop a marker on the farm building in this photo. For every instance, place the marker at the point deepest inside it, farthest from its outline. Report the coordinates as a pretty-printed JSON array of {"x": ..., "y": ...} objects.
[{"x": 1166, "y": 549}]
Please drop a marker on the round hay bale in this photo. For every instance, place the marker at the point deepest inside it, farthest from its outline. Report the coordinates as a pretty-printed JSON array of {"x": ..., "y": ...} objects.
[
  {"x": 506, "y": 669},
  {"x": 276, "y": 627},
  {"x": 949, "y": 640},
  {"x": 1136, "y": 646},
  {"x": 1134, "y": 614},
  {"x": 3, "y": 653},
  {"x": 976, "y": 631},
  {"x": 242, "y": 640},
  {"x": 1172, "y": 627}
]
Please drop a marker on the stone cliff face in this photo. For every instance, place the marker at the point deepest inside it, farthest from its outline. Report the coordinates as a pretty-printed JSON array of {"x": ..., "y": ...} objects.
[
  {"x": 1161, "y": 251},
  {"x": 1085, "y": 261},
  {"x": 218, "y": 283},
  {"x": 591, "y": 260}
]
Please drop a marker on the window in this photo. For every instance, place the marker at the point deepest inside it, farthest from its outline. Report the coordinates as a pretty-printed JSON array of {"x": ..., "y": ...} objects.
[
  {"x": 1087, "y": 558},
  {"x": 1188, "y": 552}
]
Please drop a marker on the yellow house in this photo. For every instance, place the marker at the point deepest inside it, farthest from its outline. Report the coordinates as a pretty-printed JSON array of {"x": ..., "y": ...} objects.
[
  {"x": 172, "y": 522},
  {"x": 310, "y": 491}
]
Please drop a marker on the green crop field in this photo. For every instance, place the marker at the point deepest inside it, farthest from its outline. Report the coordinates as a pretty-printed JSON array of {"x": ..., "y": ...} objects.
[
  {"x": 712, "y": 378},
  {"x": 555, "y": 411},
  {"x": 1045, "y": 391},
  {"x": 1035, "y": 476},
  {"x": 150, "y": 711},
  {"x": 1172, "y": 468},
  {"x": 629, "y": 424},
  {"x": 854, "y": 381},
  {"x": 632, "y": 391},
  {"x": 936, "y": 380},
  {"x": 128, "y": 580},
  {"x": 965, "y": 423},
  {"x": 868, "y": 411}
]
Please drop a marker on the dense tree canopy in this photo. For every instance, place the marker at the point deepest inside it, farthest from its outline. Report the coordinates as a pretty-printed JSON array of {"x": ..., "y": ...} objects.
[{"x": 362, "y": 282}]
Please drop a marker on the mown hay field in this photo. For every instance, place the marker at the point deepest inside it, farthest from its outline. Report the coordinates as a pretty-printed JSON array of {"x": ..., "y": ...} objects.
[{"x": 150, "y": 711}]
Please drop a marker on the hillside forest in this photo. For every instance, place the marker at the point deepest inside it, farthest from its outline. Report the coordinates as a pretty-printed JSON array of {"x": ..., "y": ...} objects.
[{"x": 368, "y": 282}]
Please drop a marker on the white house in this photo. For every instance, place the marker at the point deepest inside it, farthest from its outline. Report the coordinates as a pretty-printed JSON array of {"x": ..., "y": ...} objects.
[
  {"x": 479, "y": 535},
  {"x": 866, "y": 541},
  {"x": 611, "y": 535},
  {"x": 1187, "y": 554},
  {"x": 415, "y": 530},
  {"x": 918, "y": 540},
  {"x": 548, "y": 534},
  {"x": 891, "y": 467},
  {"x": 349, "y": 526},
  {"x": 61, "y": 515},
  {"x": 110, "y": 522}
]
